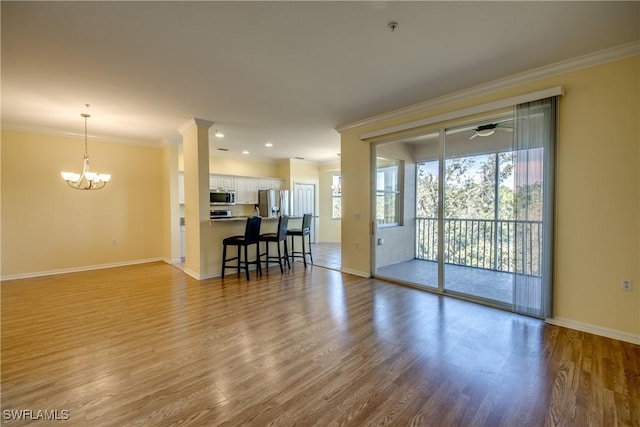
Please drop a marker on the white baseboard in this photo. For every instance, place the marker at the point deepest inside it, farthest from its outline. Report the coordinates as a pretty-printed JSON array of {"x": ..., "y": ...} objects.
[
  {"x": 191, "y": 273},
  {"x": 594, "y": 329},
  {"x": 355, "y": 272},
  {"x": 172, "y": 261},
  {"x": 78, "y": 269}
]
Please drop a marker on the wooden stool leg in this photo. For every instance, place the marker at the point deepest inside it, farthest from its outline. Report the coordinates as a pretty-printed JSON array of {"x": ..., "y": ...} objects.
[
  {"x": 224, "y": 258},
  {"x": 304, "y": 252},
  {"x": 246, "y": 260},
  {"x": 258, "y": 265},
  {"x": 293, "y": 248},
  {"x": 279, "y": 257},
  {"x": 286, "y": 253}
]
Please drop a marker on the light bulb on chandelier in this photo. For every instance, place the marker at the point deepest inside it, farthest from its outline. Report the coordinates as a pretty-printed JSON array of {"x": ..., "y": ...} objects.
[{"x": 86, "y": 180}]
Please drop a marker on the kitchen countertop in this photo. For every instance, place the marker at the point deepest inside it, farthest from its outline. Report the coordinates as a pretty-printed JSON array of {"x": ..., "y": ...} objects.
[{"x": 239, "y": 218}]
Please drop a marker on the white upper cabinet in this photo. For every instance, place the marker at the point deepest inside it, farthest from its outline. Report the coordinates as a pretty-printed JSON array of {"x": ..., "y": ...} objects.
[
  {"x": 241, "y": 190},
  {"x": 271, "y": 184},
  {"x": 252, "y": 191},
  {"x": 228, "y": 182},
  {"x": 246, "y": 188},
  {"x": 264, "y": 183},
  {"x": 213, "y": 182},
  {"x": 224, "y": 182}
]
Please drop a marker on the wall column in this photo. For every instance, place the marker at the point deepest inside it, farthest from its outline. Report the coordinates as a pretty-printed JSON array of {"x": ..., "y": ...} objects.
[{"x": 195, "y": 138}]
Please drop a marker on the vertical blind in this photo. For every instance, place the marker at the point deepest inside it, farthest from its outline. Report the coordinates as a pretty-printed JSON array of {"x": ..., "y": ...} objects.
[{"x": 534, "y": 146}]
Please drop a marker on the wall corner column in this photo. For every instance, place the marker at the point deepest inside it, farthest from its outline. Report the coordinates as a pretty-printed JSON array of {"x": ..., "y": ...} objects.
[{"x": 195, "y": 138}]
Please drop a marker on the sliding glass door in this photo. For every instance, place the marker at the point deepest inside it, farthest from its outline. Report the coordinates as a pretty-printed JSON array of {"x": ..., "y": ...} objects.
[
  {"x": 470, "y": 211},
  {"x": 478, "y": 217}
]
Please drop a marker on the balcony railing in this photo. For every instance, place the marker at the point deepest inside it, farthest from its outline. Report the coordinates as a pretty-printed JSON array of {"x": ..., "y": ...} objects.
[{"x": 500, "y": 245}]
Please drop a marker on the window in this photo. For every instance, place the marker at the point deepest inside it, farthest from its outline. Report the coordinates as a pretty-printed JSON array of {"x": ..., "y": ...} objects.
[
  {"x": 388, "y": 194},
  {"x": 336, "y": 197}
]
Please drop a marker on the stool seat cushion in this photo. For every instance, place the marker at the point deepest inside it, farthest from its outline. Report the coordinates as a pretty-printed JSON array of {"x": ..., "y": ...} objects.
[
  {"x": 235, "y": 240},
  {"x": 272, "y": 237},
  {"x": 298, "y": 232}
]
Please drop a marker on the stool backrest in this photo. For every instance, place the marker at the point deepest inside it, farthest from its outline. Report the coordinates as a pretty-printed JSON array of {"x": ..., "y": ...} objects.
[
  {"x": 252, "y": 230},
  {"x": 283, "y": 223},
  {"x": 306, "y": 222}
]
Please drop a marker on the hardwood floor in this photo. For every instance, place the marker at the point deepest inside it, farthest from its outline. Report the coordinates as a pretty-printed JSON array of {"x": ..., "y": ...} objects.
[
  {"x": 327, "y": 255},
  {"x": 147, "y": 345}
]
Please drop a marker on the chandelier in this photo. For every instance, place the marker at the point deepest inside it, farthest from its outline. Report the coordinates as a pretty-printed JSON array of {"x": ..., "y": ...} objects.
[{"x": 86, "y": 180}]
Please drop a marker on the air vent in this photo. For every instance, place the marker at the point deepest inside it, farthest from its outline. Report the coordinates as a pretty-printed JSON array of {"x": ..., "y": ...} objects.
[
  {"x": 299, "y": 158},
  {"x": 223, "y": 149}
]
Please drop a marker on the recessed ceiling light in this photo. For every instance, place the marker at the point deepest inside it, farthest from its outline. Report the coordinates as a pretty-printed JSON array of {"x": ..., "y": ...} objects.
[
  {"x": 245, "y": 152},
  {"x": 268, "y": 144},
  {"x": 219, "y": 134}
]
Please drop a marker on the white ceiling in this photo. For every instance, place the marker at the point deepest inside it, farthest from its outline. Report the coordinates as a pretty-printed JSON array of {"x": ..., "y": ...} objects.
[{"x": 282, "y": 72}]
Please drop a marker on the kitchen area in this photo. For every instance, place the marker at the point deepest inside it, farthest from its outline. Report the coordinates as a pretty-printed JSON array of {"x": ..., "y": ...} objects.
[
  {"x": 213, "y": 193},
  {"x": 234, "y": 198}
]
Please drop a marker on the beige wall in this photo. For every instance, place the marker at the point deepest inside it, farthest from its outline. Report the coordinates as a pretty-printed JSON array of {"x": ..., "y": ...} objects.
[
  {"x": 243, "y": 167},
  {"x": 239, "y": 167},
  {"x": 399, "y": 241},
  {"x": 170, "y": 204},
  {"x": 598, "y": 193},
  {"x": 48, "y": 226}
]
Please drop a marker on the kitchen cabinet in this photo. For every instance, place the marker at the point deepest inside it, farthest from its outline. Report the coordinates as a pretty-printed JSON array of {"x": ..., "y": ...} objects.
[
  {"x": 252, "y": 191},
  {"x": 246, "y": 190},
  {"x": 241, "y": 190},
  {"x": 264, "y": 184},
  {"x": 270, "y": 184},
  {"x": 224, "y": 182},
  {"x": 213, "y": 182},
  {"x": 227, "y": 182}
]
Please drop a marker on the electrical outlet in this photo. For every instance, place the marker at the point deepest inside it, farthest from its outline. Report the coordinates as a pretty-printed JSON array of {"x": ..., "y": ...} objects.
[
  {"x": 626, "y": 285},
  {"x": 114, "y": 242}
]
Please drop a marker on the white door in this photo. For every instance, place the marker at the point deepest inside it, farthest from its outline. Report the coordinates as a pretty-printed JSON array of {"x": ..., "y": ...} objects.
[{"x": 304, "y": 198}]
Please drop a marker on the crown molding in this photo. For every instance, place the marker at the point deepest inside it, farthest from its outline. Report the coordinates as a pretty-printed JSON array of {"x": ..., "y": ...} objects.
[
  {"x": 98, "y": 138},
  {"x": 574, "y": 64},
  {"x": 476, "y": 109},
  {"x": 194, "y": 122}
]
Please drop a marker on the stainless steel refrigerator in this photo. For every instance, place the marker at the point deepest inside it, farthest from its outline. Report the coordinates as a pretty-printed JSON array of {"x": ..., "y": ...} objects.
[{"x": 273, "y": 203}]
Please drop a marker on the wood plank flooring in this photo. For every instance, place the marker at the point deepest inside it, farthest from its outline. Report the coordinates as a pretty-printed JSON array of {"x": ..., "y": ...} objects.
[{"x": 147, "y": 345}]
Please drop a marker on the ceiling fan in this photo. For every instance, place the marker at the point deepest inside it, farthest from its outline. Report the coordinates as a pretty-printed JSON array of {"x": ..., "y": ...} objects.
[{"x": 490, "y": 129}]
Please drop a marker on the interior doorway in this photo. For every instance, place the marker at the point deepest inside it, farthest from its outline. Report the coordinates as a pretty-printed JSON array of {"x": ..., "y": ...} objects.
[{"x": 304, "y": 201}]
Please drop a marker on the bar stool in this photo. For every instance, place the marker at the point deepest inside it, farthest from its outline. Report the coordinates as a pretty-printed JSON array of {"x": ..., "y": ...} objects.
[
  {"x": 279, "y": 236},
  {"x": 251, "y": 237},
  {"x": 305, "y": 230}
]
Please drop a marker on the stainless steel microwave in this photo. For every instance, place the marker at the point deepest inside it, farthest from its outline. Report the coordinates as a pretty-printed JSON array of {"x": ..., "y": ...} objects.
[{"x": 222, "y": 197}]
